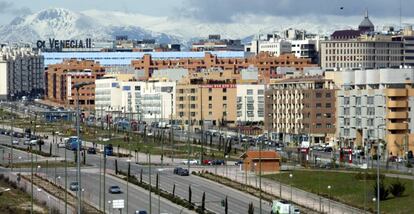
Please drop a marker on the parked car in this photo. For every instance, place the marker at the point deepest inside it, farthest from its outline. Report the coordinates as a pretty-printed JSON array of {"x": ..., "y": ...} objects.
[
  {"x": 180, "y": 171},
  {"x": 141, "y": 212},
  {"x": 238, "y": 163},
  {"x": 114, "y": 190},
  {"x": 61, "y": 145},
  {"x": 217, "y": 162},
  {"x": 91, "y": 150},
  {"x": 74, "y": 186},
  {"x": 15, "y": 142},
  {"x": 192, "y": 162},
  {"x": 206, "y": 162},
  {"x": 328, "y": 149}
]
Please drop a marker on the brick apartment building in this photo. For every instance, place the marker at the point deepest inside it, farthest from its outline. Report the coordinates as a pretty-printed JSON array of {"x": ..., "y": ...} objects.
[
  {"x": 300, "y": 107},
  {"x": 208, "y": 96},
  {"x": 267, "y": 65},
  {"x": 60, "y": 78}
]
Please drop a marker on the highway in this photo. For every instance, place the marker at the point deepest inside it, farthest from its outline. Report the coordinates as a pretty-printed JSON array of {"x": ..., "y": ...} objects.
[{"x": 238, "y": 201}]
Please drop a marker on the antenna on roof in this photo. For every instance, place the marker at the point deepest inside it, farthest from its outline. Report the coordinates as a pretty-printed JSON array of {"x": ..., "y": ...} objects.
[{"x": 400, "y": 15}]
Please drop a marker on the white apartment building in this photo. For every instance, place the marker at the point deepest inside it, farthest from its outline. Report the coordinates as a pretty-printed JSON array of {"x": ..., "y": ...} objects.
[
  {"x": 306, "y": 48},
  {"x": 273, "y": 46},
  {"x": 250, "y": 103},
  {"x": 147, "y": 101},
  {"x": 21, "y": 73},
  {"x": 374, "y": 105}
]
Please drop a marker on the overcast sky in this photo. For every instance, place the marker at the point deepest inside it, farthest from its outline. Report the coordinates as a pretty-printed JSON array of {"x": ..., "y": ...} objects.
[{"x": 218, "y": 11}]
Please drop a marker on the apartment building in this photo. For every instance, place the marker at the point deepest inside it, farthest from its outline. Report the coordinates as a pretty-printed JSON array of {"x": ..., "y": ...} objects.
[
  {"x": 376, "y": 105},
  {"x": 215, "y": 43},
  {"x": 300, "y": 109},
  {"x": 208, "y": 96},
  {"x": 367, "y": 51},
  {"x": 21, "y": 73},
  {"x": 61, "y": 78},
  {"x": 149, "y": 101},
  {"x": 273, "y": 46},
  {"x": 250, "y": 103},
  {"x": 267, "y": 65}
]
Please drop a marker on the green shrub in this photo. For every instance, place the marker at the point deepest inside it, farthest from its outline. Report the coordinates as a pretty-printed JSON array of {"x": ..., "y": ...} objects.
[
  {"x": 383, "y": 193},
  {"x": 397, "y": 188}
]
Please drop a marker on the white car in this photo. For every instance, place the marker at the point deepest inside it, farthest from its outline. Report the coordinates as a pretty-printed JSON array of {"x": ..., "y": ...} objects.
[
  {"x": 61, "y": 145},
  {"x": 192, "y": 162},
  {"x": 15, "y": 142}
]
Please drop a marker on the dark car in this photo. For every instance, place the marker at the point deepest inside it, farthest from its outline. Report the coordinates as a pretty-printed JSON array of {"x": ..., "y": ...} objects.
[
  {"x": 91, "y": 150},
  {"x": 141, "y": 212},
  {"x": 114, "y": 190},
  {"x": 217, "y": 162},
  {"x": 238, "y": 163},
  {"x": 328, "y": 149},
  {"x": 180, "y": 171},
  {"x": 74, "y": 186}
]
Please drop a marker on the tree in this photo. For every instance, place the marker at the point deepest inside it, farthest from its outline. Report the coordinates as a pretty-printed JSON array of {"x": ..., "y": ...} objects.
[
  {"x": 189, "y": 194},
  {"x": 116, "y": 166},
  {"x": 203, "y": 202},
  {"x": 173, "y": 192},
  {"x": 226, "y": 206},
  {"x": 156, "y": 182},
  {"x": 397, "y": 188}
]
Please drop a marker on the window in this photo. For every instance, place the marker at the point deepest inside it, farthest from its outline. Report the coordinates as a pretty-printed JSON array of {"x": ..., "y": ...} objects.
[
  {"x": 193, "y": 90},
  {"x": 193, "y": 114},
  {"x": 193, "y": 106},
  {"x": 318, "y": 115},
  {"x": 328, "y": 95},
  {"x": 370, "y": 111},
  {"x": 260, "y": 92},
  {"x": 224, "y": 106},
  {"x": 224, "y": 97},
  {"x": 318, "y": 105},
  {"x": 224, "y": 90},
  {"x": 249, "y": 92},
  {"x": 318, "y": 125},
  {"x": 370, "y": 100},
  {"x": 346, "y": 100},
  {"x": 328, "y": 125},
  {"x": 210, "y": 113},
  {"x": 318, "y": 95},
  {"x": 328, "y": 115},
  {"x": 210, "y": 106},
  {"x": 358, "y": 111},
  {"x": 328, "y": 105},
  {"x": 358, "y": 100},
  {"x": 210, "y": 90},
  {"x": 210, "y": 98},
  {"x": 370, "y": 122}
]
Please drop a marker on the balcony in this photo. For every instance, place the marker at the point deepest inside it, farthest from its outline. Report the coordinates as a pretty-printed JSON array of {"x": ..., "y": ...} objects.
[
  {"x": 397, "y": 126},
  {"x": 397, "y": 104},
  {"x": 397, "y": 115},
  {"x": 396, "y": 92}
]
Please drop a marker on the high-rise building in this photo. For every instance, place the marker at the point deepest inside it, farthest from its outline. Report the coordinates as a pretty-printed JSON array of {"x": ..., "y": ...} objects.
[
  {"x": 61, "y": 78},
  {"x": 301, "y": 108},
  {"x": 375, "y": 105},
  {"x": 21, "y": 73}
]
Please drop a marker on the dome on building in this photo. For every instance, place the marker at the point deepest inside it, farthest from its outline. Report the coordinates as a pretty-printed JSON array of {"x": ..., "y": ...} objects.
[{"x": 366, "y": 24}]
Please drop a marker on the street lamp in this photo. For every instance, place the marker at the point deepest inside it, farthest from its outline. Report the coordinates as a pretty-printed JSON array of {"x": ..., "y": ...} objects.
[
  {"x": 78, "y": 86},
  {"x": 378, "y": 168},
  {"x": 291, "y": 191},
  {"x": 329, "y": 200}
]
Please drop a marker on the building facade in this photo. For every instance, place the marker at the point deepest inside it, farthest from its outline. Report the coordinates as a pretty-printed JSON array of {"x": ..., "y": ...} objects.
[
  {"x": 374, "y": 105},
  {"x": 267, "y": 65},
  {"x": 61, "y": 78},
  {"x": 207, "y": 99},
  {"x": 250, "y": 103},
  {"x": 21, "y": 73},
  {"x": 301, "y": 109}
]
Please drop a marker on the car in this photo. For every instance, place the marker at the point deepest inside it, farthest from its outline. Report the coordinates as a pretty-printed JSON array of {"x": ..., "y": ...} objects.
[
  {"x": 74, "y": 186},
  {"x": 206, "y": 162},
  {"x": 26, "y": 142},
  {"x": 61, "y": 145},
  {"x": 114, "y": 190},
  {"x": 141, "y": 212},
  {"x": 217, "y": 162},
  {"x": 91, "y": 150},
  {"x": 192, "y": 162},
  {"x": 328, "y": 149},
  {"x": 180, "y": 171},
  {"x": 238, "y": 163},
  {"x": 15, "y": 142}
]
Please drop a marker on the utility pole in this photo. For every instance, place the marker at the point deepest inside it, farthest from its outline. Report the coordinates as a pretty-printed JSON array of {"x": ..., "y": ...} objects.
[
  {"x": 11, "y": 139},
  {"x": 171, "y": 128},
  {"x": 202, "y": 126}
]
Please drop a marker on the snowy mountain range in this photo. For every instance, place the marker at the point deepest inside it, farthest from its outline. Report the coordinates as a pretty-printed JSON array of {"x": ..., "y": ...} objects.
[{"x": 62, "y": 23}]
